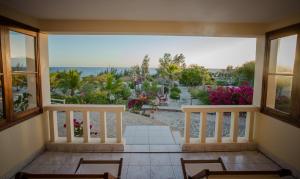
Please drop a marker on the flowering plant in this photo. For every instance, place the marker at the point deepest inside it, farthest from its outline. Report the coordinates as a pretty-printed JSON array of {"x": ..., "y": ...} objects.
[
  {"x": 135, "y": 104},
  {"x": 78, "y": 128},
  {"x": 241, "y": 95}
]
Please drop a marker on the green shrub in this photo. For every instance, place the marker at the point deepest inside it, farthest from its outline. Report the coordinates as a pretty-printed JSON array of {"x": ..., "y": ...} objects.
[
  {"x": 175, "y": 89},
  {"x": 203, "y": 96},
  {"x": 194, "y": 92},
  {"x": 175, "y": 95},
  {"x": 221, "y": 83}
]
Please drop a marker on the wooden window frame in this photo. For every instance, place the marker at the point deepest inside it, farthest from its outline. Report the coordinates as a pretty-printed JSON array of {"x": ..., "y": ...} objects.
[
  {"x": 12, "y": 118},
  {"x": 294, "y": 117}
]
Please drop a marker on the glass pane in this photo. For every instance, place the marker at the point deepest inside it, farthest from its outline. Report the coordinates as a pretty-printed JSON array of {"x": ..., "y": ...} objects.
[
  {"x": 282, "y": 54},
  {"x": 22, "y": 52},
  {"x": 24, "y": 91},
  {"x": 279, "y": 92},
  {"x": 1, "y": 99}
]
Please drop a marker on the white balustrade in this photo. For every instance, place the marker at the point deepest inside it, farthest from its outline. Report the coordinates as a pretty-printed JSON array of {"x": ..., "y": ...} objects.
[
  {"x": 69, "y": 109},
  {"x": 219, "y": 110}
]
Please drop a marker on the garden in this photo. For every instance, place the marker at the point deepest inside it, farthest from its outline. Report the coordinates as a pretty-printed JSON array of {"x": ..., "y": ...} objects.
[{"x": 155, "y": 98}]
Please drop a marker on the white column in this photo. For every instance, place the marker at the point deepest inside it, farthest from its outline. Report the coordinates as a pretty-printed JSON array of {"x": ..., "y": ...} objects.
[
  {"x": 119, "y": 126},
  {"x": 249, "y": 126},
  {"x": 234, "y": 128},
  {"x": 102, "y": 125},
  {"x": 259, "y": 65},
  {"x": 202, "y": 132},
  {"x": 86, "y": 126},
  {"x": 44, "y": 67},
  {"x": 219, "y": 127},
  {"x": 187, "y": 126},
  {"x": 70, "y": 126},
  {"x": 53, "y": 126}
]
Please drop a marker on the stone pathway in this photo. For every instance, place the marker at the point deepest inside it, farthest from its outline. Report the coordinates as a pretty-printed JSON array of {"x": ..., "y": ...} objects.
[{"x": 185, "y": 99}]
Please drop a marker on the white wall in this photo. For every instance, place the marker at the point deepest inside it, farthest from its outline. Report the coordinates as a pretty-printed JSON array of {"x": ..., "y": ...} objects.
[
  {"x": 279, "y": 140},
  {"x": 20, "y": 144}
]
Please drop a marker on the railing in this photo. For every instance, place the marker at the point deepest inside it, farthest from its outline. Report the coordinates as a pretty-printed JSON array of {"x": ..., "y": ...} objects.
[
  {"x": 85, "y": 109},
  {"x": 58, "y": 101},
  {"x": 220, "y": 110}
]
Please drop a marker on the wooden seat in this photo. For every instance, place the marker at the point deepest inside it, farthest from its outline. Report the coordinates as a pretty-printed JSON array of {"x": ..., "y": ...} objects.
[
  {"x": 225, "y": 174},
  {"x": 104, "y": 175}
]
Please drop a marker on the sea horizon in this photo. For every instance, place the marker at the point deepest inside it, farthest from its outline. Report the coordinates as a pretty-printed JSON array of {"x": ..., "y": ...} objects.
[{"x": 87, "y": 71}]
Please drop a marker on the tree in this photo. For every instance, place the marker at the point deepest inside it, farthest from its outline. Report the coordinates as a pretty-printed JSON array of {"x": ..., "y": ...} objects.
[
  {"x": 179, "y": 60},
  {"x": 245, "y": 73},
  {"x": 145, "y": 67},
  {"x": 135, "y": 72},
  {"x": 170, "y": 68},
  {"x": 195, "y": 75},
  {"x": 70, "y": 81},
  {"x": 54, "y": 80}
]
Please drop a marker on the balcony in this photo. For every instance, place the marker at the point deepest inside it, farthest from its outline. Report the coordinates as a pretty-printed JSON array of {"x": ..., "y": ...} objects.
[{"x": 40, "y": 139}]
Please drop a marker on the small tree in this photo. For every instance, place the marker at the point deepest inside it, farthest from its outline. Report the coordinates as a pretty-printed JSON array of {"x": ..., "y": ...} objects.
[
  {"x": 169, "y": 68},
  {"x": 245, "y": 73},
  {"x": 195, "y": 75},
  {"x": 145, "y": 67}
]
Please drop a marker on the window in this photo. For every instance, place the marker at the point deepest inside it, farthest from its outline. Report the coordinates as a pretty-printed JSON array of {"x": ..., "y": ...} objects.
[
  {"x": 20, "y": 94},
  {"x": 281, "y": 85}
]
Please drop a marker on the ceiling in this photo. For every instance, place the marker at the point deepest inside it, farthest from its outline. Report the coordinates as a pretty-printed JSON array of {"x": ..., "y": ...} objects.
[{"x": 256, "y": 11}]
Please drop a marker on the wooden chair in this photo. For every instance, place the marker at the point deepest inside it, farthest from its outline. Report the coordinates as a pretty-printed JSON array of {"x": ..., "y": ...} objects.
[
  {"x": 225, "y": 174},
  {"x": 105, "y": 175}
]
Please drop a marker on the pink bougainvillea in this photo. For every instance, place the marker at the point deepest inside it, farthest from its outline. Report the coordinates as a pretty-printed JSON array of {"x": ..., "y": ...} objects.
[
  {"x": 241, "y": 95},
  {"x": 136, "y": 104},
  {"x": 78, "y": 128}
]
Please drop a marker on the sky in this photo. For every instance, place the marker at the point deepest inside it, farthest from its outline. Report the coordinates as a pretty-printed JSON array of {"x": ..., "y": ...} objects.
[{"x": 129, "y": 50}]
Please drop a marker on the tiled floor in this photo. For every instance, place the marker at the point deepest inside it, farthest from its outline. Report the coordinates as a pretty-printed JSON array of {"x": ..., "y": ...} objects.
[
  {"x": 148, "y": 165},
  {"x": 148, "y": 135}
]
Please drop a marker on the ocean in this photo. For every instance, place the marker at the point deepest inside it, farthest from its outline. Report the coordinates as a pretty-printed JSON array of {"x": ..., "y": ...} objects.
[{"x": 87, "y": 71}]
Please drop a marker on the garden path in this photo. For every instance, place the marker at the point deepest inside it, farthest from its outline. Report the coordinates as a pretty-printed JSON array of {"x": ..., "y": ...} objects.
[{"x": 185, "y": 99}]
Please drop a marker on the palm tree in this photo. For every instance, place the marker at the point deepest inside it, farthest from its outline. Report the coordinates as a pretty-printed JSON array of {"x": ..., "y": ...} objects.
[
  {"x": 172, "y": 72},
  {"x": 70, "y": 80},
  {"x": 113, "y": 86}
]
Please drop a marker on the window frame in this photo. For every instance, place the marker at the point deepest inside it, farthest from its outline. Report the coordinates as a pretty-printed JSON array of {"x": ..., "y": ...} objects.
[
  {"x": 12, "y": 118},
  {"x": 294, "y": 117}
]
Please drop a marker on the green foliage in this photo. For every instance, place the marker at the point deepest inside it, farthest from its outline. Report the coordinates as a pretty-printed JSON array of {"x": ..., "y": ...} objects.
[
  {"x": 22, "y": 102},
  {"x": 19, "y": 81},
  {"x": 170, "y": 68},
  {"x": 195, "y": 75},
  {"x": 105, "y": 88},
  {"x": 145, "y": 67},
  {"x": 175, "y": 89},
  {"x": 150, "y": 88},
  {"x": 245, "y": 73},
  {"x": 174, "y": 95},
  {"x": 221, "y": 83},
  {"x": 202, "y": 95},
  {"x": 69, "y": 81}
]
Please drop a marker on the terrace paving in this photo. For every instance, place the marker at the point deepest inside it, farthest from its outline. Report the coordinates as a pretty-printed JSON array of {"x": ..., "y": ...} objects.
[
  {"x": 156, "y": 155},
  {"x": 147, "y": 165}
]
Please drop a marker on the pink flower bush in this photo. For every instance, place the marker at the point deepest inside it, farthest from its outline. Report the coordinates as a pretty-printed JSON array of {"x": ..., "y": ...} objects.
[
  {"x": 241, "y": 95},
  {"x": 78, "y": 128},
  {"x": 135, "y": 104}
]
